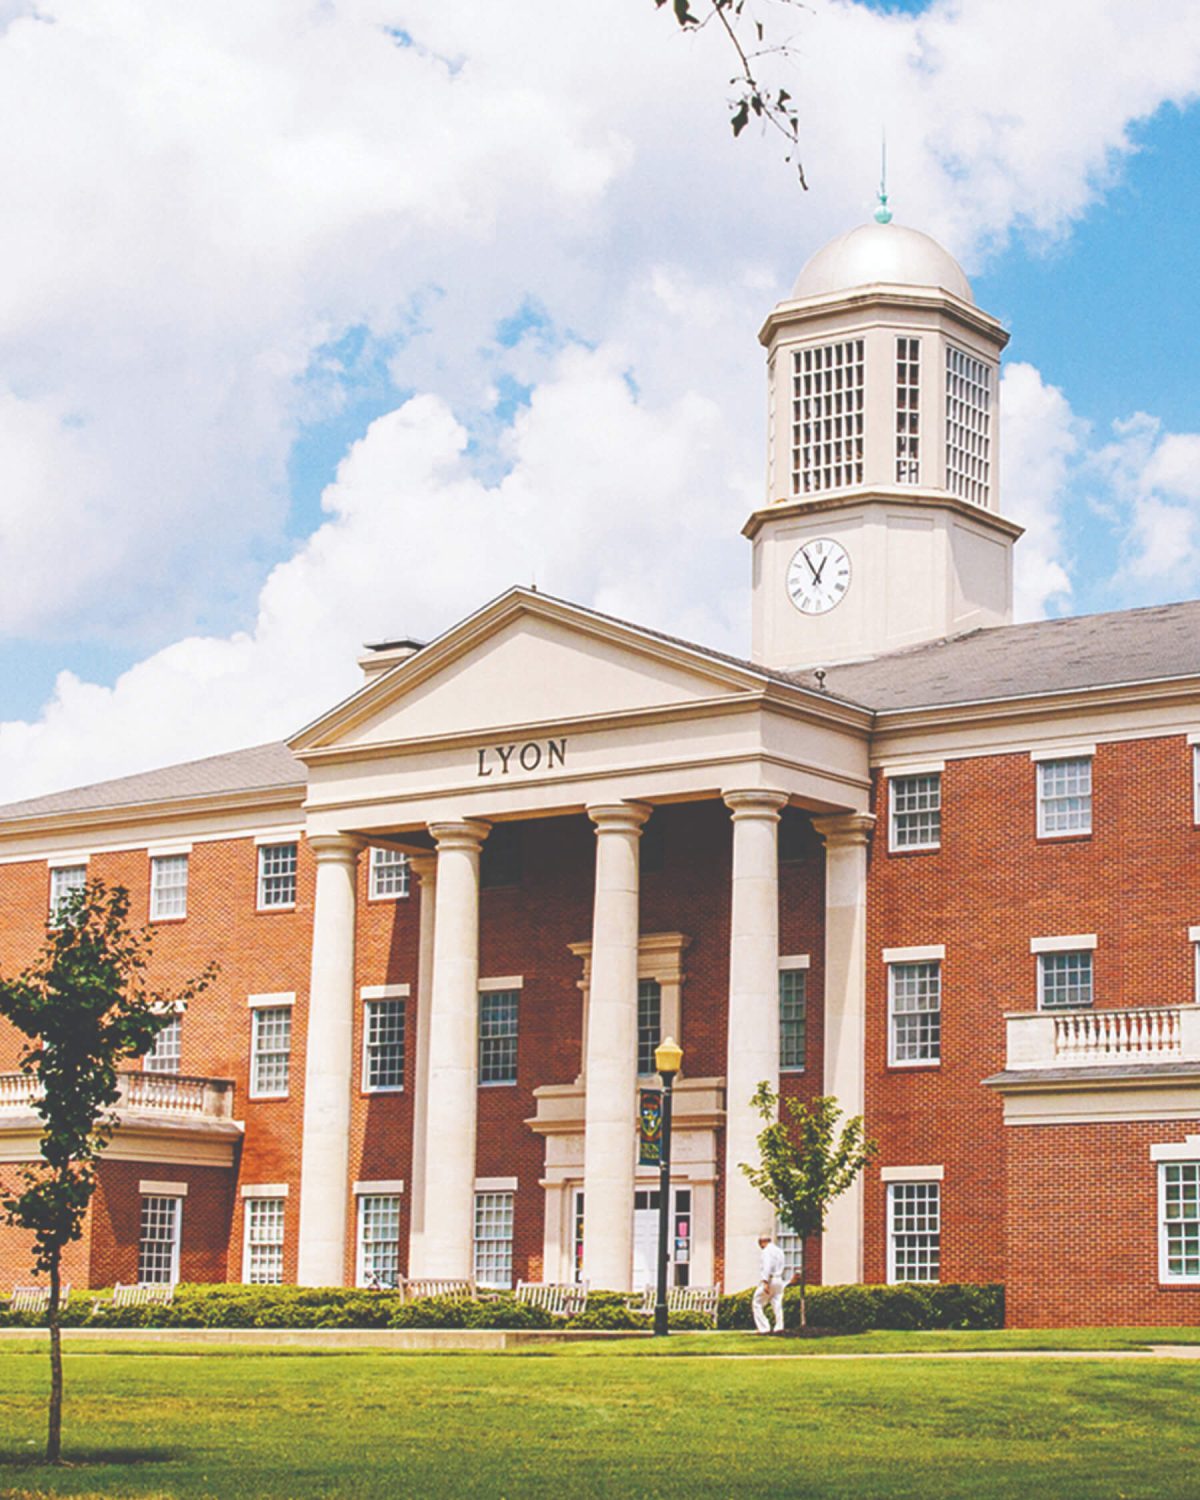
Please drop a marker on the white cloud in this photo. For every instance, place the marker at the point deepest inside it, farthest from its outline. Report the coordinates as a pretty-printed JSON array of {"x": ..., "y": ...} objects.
[
  {"x": 1041, "y": 436},
  {"x": 1154, "y": 478},
  {"x": 198, "y": 200}
]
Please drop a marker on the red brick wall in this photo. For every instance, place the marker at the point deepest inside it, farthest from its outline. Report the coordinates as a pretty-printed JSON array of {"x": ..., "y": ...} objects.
[
  {"x": 16, "y": 1247},
  {"x": 205, "y": 1252},
  {"x": 1083, "y": 1227}
]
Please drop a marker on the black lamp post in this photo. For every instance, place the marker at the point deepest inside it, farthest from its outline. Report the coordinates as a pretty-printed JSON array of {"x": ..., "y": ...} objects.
[{"x": 667, "y": 1057}]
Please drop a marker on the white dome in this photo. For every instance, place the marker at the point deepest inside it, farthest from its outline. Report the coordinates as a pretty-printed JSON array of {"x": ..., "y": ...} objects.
[{"x": 881, "y": 252}]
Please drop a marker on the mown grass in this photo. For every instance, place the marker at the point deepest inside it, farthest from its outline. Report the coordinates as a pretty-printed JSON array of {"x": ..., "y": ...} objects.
[{"x": 291, "y": 1423}]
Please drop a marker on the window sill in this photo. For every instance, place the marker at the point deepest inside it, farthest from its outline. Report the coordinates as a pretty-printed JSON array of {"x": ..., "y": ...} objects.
[
  {"x": 267, "y": 1098},
  {"x": 266, "y": 911},
  {"x": 497, "y": 1083},
  {"x": 385, "y": 900},
  {"x": 383, "y": 1088},
  {"x": 923, "y": 1064},
  {"x": 166, "y": 921},
  {"x": 1064, "y": 838},
  {"x": 904, "y": 849},
  {"x": 792, "y": 1072}
]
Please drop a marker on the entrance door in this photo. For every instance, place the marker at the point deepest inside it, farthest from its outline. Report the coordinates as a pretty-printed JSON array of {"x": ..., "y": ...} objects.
[{"x": 645, "y": 1238}]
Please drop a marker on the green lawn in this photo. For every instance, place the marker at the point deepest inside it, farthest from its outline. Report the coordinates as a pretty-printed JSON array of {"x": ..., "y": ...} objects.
[{"x": 573, "y": 1425}]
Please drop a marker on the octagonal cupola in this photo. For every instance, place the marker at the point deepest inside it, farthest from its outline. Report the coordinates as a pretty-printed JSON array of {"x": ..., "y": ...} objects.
[{"x": 883, "y": 447}]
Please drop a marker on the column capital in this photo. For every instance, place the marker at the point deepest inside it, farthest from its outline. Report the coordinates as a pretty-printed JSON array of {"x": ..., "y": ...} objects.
[
  {"x": 424, "y": 866},
  {"x": 619, "y": 817},
  {"x": 755, "y": 802},
  {"x": 845, "y": 830},
  {"x": 335, "y": 848},
  {"x": 465, "y": 833}
]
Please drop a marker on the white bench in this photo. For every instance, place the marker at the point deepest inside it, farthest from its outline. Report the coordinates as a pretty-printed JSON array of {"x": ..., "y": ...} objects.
[
  {"x": 459, "y": 1288},
  {"x": 35, "y": 1299},
  {"x": 138, "y": 1294},
  {"x": 700, "y": 1299},
  {"x": 561, "y": 1299}
]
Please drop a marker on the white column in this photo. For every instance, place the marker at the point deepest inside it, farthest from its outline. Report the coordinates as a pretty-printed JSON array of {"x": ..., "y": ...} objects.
[
  {"x": 447, "y": 1240},
  {"x": 610, "y": 1139},
  {"x": 846, "y": 838},
  {"x": 328, "y": 1069},
  {"x": 422, "y": 868},
  {"x": 752, "y": 1054}
]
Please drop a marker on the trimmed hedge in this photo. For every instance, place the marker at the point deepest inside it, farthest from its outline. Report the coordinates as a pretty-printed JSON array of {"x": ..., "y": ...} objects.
[{"x": 857, "y": 1309}]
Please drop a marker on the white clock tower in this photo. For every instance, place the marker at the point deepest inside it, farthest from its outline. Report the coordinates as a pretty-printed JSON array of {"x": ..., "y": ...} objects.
[{"x": 881, "y": 527}]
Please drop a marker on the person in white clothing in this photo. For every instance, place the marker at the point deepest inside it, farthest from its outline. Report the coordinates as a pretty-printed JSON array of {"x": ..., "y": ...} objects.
[{"x": 770, "y": 1285}]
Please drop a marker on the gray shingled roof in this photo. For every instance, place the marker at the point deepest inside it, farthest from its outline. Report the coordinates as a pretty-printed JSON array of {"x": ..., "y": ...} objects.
[
  {"x": 262, "y": 768},
  {"x": 1044, "y": 656}
]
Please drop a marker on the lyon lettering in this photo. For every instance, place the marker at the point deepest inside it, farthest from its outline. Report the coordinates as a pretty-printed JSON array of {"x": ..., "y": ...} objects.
[{"x": 533, "y": 755}]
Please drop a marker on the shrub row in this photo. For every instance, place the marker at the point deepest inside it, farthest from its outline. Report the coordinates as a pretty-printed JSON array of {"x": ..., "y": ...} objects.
[
  {"x": 236, "y": 1306},
  {"x": 856, "y": 1309}
]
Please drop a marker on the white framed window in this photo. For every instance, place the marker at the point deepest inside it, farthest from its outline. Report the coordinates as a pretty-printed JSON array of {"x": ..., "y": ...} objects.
[
  {"x": 168, "y": 886},
  {"x": 793, "y": 1020},
  {"x": 1194, "y": 938},
  {"x": 577, "y": 1235},
  {"x": 908, "y": 411},
  {"x": 276, "y": 876},
  {"x": 828, "y": 388},
  {"x": 914, "y": 1231},
  {"x": 1064, "y": 796},
  {"x": 915, "y": 1013},
  {"x": 915, "y": 804},
  {"x": 164, "y": 1053},
  {"x": 262, "y": 1253},
  {"x": 158, "y": 1241},
  {"x": 494, "y": 1240},
  {"x": 378, "y": 1239},
  {"x": 789, "y": 1243},
  {"x": 383, "y": 1045},
  {"x": 498, "y": 1036},
  {"x": 1064, "y": 980},
  {"x": 65, "y": 880},
  {"x": 968, "y": 426},
  {"x": 389, "y": 874},
  {"x": 1179, "y": 1221},
  {"x": 270, "y": 1051},
  {"x": 649, "y": 1022},
  {"x": 1196, "y": 783}
]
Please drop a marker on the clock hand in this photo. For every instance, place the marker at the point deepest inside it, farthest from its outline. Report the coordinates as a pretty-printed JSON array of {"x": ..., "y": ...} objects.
[
  {"x": 820, "y": 570},
  {"x": 811, "y": 569}
]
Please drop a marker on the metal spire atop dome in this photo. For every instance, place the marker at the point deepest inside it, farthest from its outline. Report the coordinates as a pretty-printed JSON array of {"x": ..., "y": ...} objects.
[{"x": 883, "y": 214}]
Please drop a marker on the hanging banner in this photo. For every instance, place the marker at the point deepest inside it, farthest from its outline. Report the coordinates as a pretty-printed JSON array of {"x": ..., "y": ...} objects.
[{"x": 649, "y": 1127}]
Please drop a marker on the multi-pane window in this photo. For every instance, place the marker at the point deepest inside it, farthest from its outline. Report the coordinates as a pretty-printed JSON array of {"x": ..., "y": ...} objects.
[
  {"x": 164, "y": 1053},
  {"x": 263, "y": 1259},
  {"x": 276, "y": 875},
  {"x": 158, "y": 1242},
  {"x": 168, "y": 886},
  {"x": 916, "y": 809},
  {"x": 498, "y": 1036},
  {"x": 968, "y": 426},
  {"x": 915, "y": 1001},
  {"x": 378, "y": 1240},
  {"x": 65, "y": 880},
  {"x": 493, "y": 1239},
  {"x": 389, "y": 873},
  {"x": 908, "y": 411},
  {"x": 649, "y": 1021},
  {"x": 1196, "y": 783},
  {"x": 383, "y": 1044},
  {"x": 793, "y": 1018},
  {"x": 914, "y": 1231},
  {"x": 270, "y": 1051},
  {"x": 827, "y": 417},
  {"x": 1179, "y": 1221},
  {"x": 577, "y": 1234},
  {"x": 1064, "y": 799},
  {"x": 1064, "y": 980}
]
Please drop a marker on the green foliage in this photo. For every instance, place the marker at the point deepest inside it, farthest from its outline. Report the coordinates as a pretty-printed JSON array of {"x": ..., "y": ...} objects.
[
  {"x": 860, "y": 1309},
  {"x": 609, "y": 1317}
]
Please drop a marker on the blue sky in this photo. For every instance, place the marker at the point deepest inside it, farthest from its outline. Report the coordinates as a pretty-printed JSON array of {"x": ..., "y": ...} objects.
[{"x": 333, "y": 339}]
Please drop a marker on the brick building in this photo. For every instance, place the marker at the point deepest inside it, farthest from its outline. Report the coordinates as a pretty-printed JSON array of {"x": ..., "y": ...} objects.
[{"x": 943, "y": 867}]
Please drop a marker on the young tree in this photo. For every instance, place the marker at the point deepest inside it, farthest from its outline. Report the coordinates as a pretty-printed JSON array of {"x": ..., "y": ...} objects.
[
  {"x": 747, "y": 35},
  {"x": 805, "y": 1163},
  {"x": 86, "y": 1008}
]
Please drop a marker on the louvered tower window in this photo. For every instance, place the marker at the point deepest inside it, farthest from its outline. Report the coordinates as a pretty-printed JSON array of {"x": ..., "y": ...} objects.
[
  {"x": 968, "y": 426},
  {"x": 827, "y": 417},
  {"x": 908, "y": 411}
]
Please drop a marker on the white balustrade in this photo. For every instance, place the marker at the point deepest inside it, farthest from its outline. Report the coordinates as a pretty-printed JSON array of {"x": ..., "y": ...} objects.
[
  {"x": 1099, "y": 1038},
  {"x": 151, "y": 1093}
]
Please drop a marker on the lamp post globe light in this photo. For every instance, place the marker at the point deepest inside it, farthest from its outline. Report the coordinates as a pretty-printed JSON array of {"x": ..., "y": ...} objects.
[{"x": 667, "y": 1057}]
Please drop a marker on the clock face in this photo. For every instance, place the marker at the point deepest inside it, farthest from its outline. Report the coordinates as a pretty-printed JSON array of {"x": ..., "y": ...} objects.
[{"x": 818, "y": 576}]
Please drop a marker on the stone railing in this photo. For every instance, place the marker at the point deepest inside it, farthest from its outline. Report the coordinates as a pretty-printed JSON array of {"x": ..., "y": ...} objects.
[
  {"x": 172, "y": 1094},
  {"x": 1103, "y": 1038}
]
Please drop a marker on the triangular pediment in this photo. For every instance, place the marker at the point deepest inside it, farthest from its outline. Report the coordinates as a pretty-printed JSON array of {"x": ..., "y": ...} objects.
[{"x": 525, "y": 660}]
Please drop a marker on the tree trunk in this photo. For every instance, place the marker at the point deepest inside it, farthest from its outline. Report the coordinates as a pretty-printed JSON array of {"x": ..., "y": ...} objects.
[
  {"x": 803, "y": 1286},
  {"x": 54, "y": 1432}
]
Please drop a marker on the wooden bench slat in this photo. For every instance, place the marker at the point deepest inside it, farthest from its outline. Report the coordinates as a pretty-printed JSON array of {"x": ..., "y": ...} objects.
[{"x": 561, "y": 1299}]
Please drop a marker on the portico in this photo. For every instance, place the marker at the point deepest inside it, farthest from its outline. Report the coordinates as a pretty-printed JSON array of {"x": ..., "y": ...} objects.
[{"x": 632, "y": 722}]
